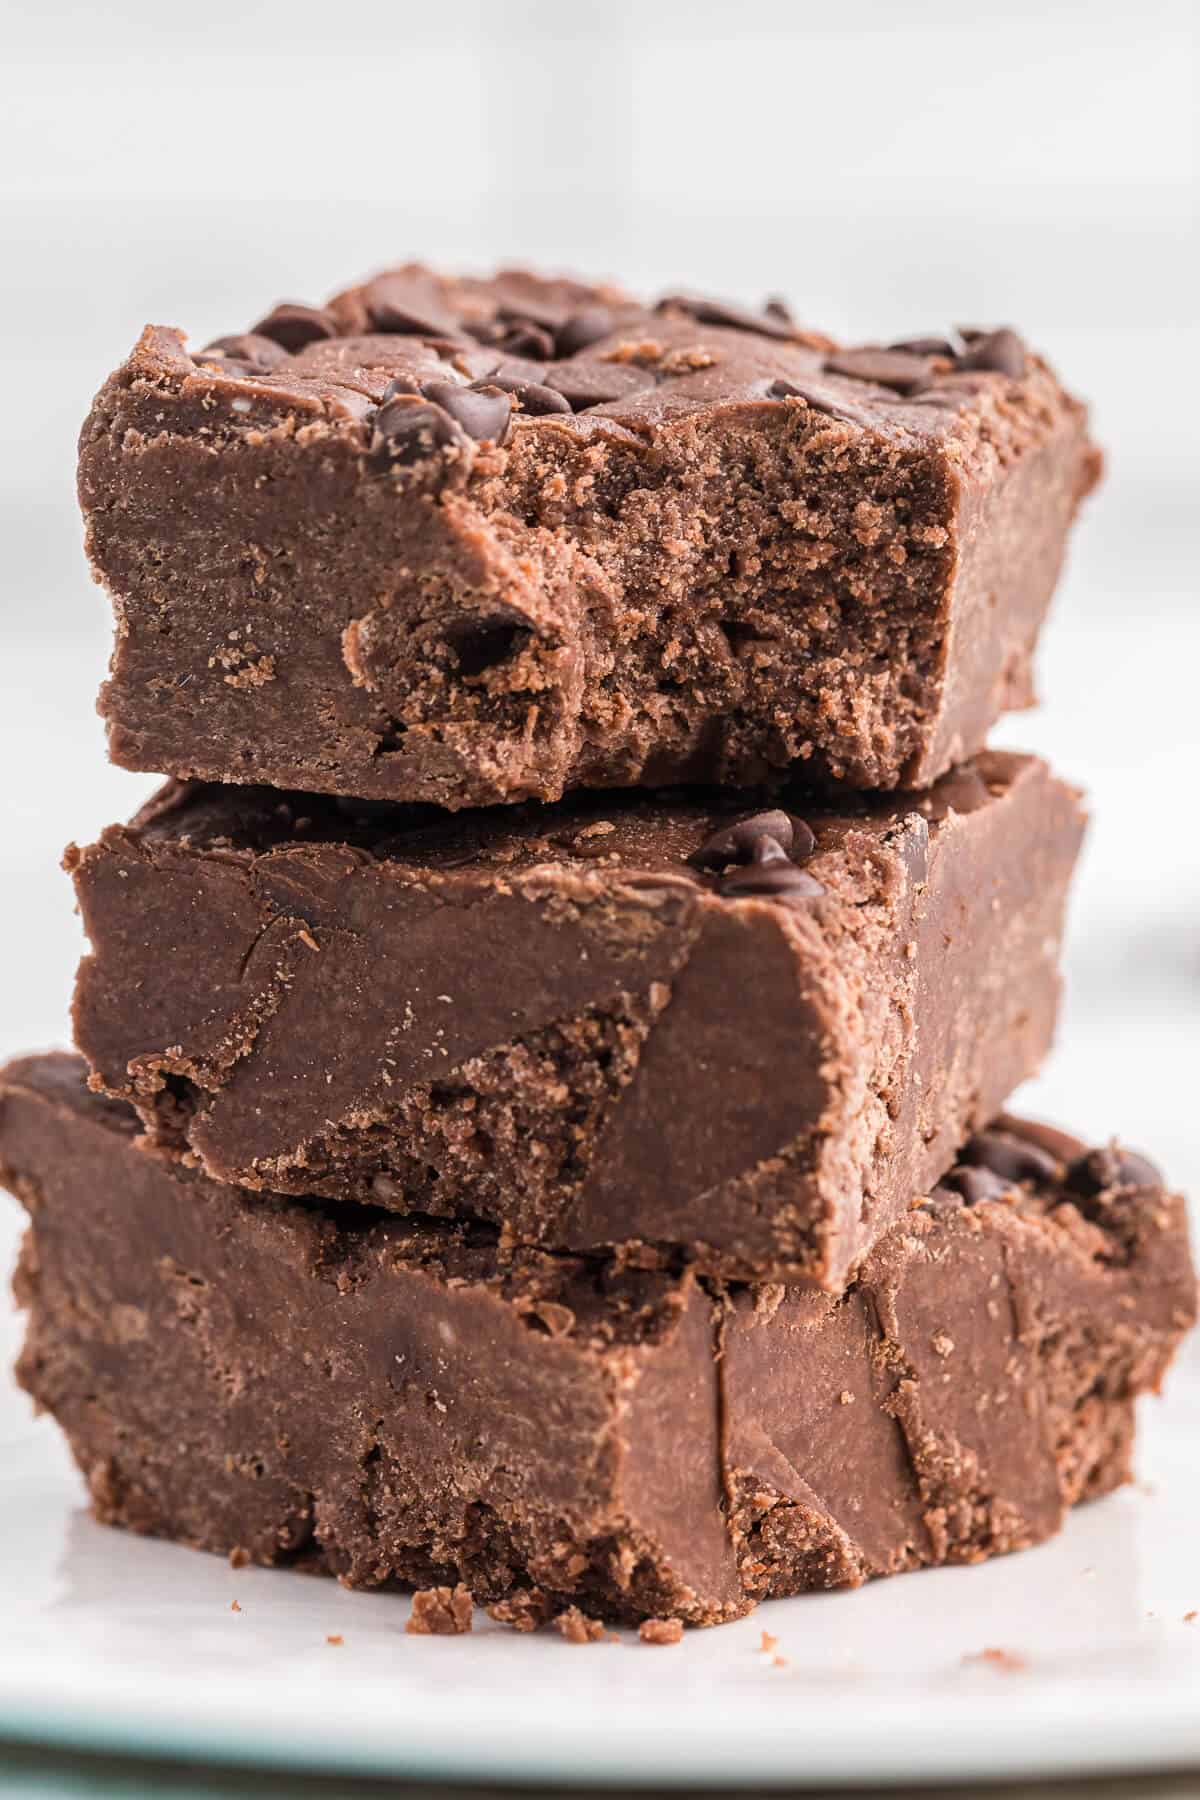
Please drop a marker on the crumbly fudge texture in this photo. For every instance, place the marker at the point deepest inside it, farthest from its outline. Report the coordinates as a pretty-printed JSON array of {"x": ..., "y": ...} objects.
[
  {"x": 466, "y": 541},
  {"x": 398, "y": 1402},
  {"x": 553, "y": 1019}
]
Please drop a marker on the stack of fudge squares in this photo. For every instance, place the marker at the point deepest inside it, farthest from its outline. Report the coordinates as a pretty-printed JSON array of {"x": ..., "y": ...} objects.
[{"x": 538, "y": 1131}]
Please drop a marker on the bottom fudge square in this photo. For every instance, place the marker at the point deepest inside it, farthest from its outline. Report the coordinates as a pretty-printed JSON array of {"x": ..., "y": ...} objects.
[{"x": 402, "y": 1403}]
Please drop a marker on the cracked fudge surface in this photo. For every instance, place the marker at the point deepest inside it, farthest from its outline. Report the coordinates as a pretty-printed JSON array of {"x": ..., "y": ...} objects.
[
  {"x": 400, "y": 1402},
  {"x": 463, "y": 542},
  {"x": 664, "y": 1018}
]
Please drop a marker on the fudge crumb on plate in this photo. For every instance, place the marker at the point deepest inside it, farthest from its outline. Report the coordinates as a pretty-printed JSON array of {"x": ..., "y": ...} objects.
[
  {"x": 441, "y": 1612},
  {"x": 661, "y": 1631},
  {"x": 526, "y": 1610},
  {"x": 578, "y": 1628}
]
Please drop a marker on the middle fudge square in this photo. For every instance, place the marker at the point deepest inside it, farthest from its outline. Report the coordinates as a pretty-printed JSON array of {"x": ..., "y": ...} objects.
[{"x": 652, "y": 1019}]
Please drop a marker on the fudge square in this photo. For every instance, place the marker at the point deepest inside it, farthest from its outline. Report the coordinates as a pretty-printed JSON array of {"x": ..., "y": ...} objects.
[
  {"x": 400, "y": 1402},
  {"x": 470, "y": 541},
  {"x": 615, "y": 1019}
]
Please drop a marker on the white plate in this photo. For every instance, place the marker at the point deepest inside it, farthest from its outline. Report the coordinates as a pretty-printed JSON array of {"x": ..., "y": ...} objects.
[{"x": 115, "y": 1642}]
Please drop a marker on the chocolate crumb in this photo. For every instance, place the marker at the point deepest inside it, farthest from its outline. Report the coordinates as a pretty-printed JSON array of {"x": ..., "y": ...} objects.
[
  {"x": 334, "y": 1637},
  {"x": 441, "y": 1612},
  {"x": 1189, "y": 1616},
  {"x": 577, "y": 1628},
  {"x": 239, "y": 1557},
  {"x": 234, "y": 1607},
  {"x": 767, "y": 1643},
  {"x": 660, "y": 1631},
  {"x": 529, "y": 1609}
]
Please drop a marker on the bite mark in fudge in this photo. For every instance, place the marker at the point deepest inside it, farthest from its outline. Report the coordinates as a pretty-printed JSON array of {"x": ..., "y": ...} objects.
[
  {"x": 470, "y": 541},
  {"x": 667, "y": 1020},
  {"x": 402, "y": 1403}
]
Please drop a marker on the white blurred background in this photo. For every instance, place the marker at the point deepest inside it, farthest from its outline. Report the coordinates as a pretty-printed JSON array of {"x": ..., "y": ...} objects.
[{"x": 891, "y": 167}]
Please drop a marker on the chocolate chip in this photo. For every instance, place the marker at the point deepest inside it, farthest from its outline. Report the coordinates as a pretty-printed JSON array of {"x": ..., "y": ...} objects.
[
  {"x": 735, "y": 318},
  {"x": 886, "y": 368},
  {"x": 515, "y": 371},
  {"x": 1111, "y": 1167},
  {"x": 483, "y": 412},
  {"x": 1000, "y": 351},
  {"x": 251, "y": 348},
  {"x": 778, "y": 881},
  {"x": 962, "y": 791},
  {"x": 399, "y": 384},
  {"x": 926, "y": 346},
  {"x": 778, "y": 309},
  {"x": 408, "y": 429},
  {"x": 408, "y": 308},
  {"x": 582, "y": 328},
  {"x": 406, "y": 321},
  {"x": 293, "y": 326},
  {"x": 521, "y": 337},
  {"x": 737, "y": 843},
  {"x": 583, "y": 384},
  {"x": 976, "y": 1184},
  {"x": 537, "y": 400},
  {"x": 817, "y": 399},
  {"x": 1011, "y": 1157}
]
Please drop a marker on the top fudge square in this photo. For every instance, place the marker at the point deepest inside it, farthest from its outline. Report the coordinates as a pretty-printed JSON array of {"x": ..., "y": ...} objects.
[{"x": 478, "y": 541}]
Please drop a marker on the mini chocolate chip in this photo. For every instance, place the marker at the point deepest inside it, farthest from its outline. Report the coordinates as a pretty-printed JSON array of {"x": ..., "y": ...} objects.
[
  {"x": 767, "y": 850},
  {"x": 1011, "y": 1157},
  {"x": 293, "y": 326},
  {"x": 777, "y": 308},
  {"x": 735, "y": 318},
  {"x": 248, "y": 347},
  {"x": 975, "y": 1184},
  {"x": 962, "y": 791},
  {"x": 399, "y": 384},
  {"x": 736, "y": 843},
  {"x": 816, "y": 399},
  {"x": 1111, "y": 1167},
  {"x": 521, "y": 337},
  {"x": 1000, "y": 351},
  {"x": 925, "y": 346},
  {"x": 536, "y": 400},
  {"x": 483, "y": 412},
  {"x": 886, "y": 368},
  {"x": 408, "y": 429},
  {"x": 583, "y": 384},
  {"x": 406, "y": 315},
  {"x": 581, "y": 329},
  {"x": 514, "y": 372},
  {"x": 780, "y": 881}
]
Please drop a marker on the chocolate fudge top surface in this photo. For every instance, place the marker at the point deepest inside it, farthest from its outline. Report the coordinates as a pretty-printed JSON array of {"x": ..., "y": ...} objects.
[
  {"x": 611, "y": 361},
  {"x": 617, "y": 834},
  {"x": 470, "y": 542},
  {"x": 614, "y": 368}
]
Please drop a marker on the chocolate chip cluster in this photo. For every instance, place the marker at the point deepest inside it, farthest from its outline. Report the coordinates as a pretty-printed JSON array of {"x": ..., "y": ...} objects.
[
  {"x": 760, "y": 856},
  {"x": 542, "y": 366},
  {"x": 1001, "y": 1160}
]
